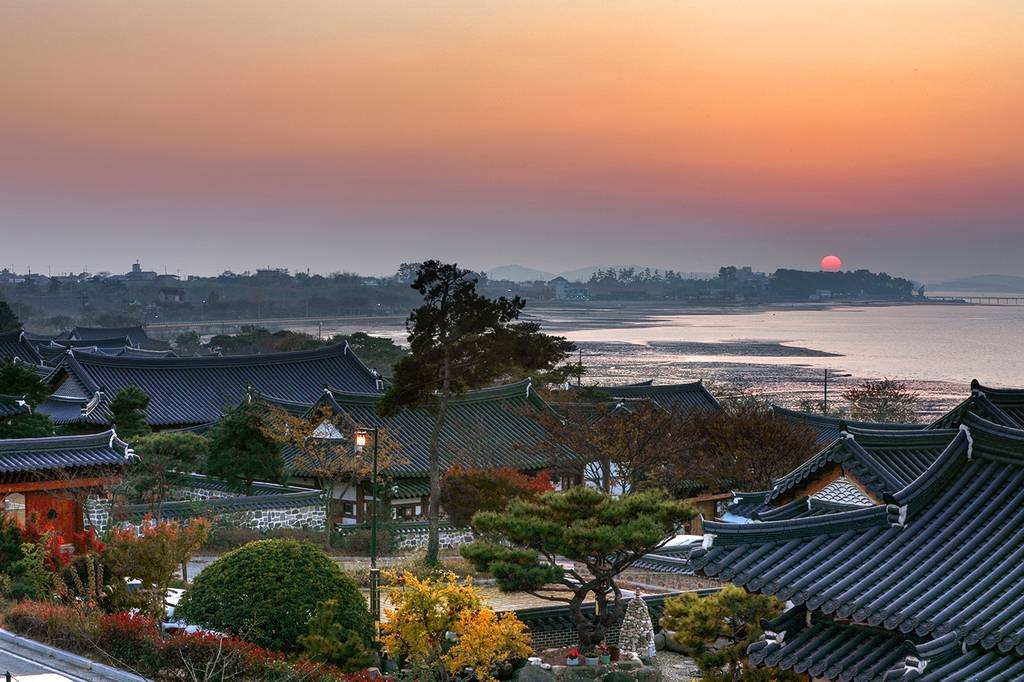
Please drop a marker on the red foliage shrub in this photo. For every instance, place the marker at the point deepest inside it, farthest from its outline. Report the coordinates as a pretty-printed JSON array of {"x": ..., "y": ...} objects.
[
  {"x": 63, "y": 626},
  {"x": 466, "y": 491},
  {"x": 133, "y": 642}
]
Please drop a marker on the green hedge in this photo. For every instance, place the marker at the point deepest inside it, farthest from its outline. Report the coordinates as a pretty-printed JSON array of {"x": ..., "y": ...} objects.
[{"x": 266, "y": 592}]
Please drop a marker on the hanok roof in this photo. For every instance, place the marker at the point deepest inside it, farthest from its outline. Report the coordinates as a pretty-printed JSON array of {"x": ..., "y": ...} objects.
[
  {"x": 692, "y": 395},
  {"x": 1004, "y": 406},
  {"x": 826, "y": 649},
  {"x": 493, "y": 426},
  {"x": 64, "y": 410},
  {"x": 13, "y": 405},
  {"x": 137, "y": 335},
  {"x": 881, "y": 461},
  {"x": 944, "y": 555},
  {"x": 25, "y": 455},
  {"x": 16, "y": 345},
  {"x": 196, "y": 390},
  {"x": 830, "y": 428}
]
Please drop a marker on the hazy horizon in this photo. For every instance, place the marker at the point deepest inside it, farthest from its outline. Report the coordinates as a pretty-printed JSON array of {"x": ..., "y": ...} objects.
[{"x": 238, "y": 134}]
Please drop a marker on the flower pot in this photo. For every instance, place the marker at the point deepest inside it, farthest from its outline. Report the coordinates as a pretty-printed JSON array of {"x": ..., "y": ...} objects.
[
  {"x": 572, "y": 661},
  {"x": 606, "y": 659},
  {"x": 592, "y": 660}
]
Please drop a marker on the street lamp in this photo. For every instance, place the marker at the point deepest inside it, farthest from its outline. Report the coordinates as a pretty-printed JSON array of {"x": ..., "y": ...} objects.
[{"x": 361, "y": 436}]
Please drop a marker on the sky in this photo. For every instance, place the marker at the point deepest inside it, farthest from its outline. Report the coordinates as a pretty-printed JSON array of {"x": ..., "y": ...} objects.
[{"x": 198, "y": 136}]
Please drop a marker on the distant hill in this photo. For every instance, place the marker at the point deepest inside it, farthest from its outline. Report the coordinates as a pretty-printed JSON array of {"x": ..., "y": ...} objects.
[
  {"x": 518, "y": 273},
  {"x": 1007, "y": 283}
]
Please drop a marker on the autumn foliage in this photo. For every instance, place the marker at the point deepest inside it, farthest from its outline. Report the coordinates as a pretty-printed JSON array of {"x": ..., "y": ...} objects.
[
  {"x": 424, "y": 610},
  {"x": 466, "y": 491}
]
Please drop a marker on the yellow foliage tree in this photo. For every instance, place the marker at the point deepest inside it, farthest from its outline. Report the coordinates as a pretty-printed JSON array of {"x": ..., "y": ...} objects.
[
  {"x": 425, "y": 610},
  {"x": 486, "y": 638}
]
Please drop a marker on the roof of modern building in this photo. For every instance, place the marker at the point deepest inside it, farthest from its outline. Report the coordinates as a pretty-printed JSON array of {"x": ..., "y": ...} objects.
[
  {"x": 830, "y": 428},
  {"x": 493, "y": 426},
  {"x": 16, "y": 345},
  {"x": 23, "y": 455},
  {"x": 685, "y": 396},
  {"x": 942, "y": 556},
  {"x": 185, "y": 391}
]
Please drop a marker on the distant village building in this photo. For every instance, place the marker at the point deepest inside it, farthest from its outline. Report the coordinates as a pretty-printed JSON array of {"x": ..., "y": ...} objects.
[
  {"x": 137, "y": 273},
  {"x": 566, "y": 291},
  {"x": 171, "y": 296}
]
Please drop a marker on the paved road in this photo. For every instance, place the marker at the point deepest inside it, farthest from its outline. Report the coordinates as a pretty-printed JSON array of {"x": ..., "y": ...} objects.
[{"x": 21, "y": 661}]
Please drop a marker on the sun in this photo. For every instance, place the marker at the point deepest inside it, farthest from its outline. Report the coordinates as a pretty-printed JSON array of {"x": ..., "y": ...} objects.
[{"x": 831, "y": 263}]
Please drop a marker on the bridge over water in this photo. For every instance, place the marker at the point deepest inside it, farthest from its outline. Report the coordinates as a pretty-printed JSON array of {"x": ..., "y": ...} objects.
[{"x": 980, "y": 300}]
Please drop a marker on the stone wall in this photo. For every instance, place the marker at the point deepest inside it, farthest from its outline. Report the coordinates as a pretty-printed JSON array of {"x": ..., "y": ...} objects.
[
  {"x": 97, "y": 513},
  {"x": 263, "y": 520},
  {"x": 199, "y": 494},
  {"x": 449, "y": 538}
]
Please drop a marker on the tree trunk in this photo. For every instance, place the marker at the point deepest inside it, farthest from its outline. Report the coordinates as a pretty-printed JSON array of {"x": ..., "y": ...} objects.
[
  {"x": 328, "y": 490},
  {"x": 606, "y": 474},
  {"x": 434, "y": 506}
]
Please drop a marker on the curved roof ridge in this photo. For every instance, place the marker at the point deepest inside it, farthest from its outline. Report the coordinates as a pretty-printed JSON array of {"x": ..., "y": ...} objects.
[
  {"x": 842, "y": 421},
  {"x": 1007, "y": 392},
  {"x": 522, "y": 387},
  {"x": 725, "y": 534},
  {"x": 108, "y": 437},
  {"x": 218, "y": 360},
  {"x": 977, "y": 422},
  {"x": 920, "y": 491},
  {"x": 651, "y": 386},
  {"x": 872, "y": 462}
]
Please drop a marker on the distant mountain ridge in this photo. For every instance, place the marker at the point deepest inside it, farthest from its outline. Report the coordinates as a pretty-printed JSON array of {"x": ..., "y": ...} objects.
[
  {"x": 1008, "y": 283},
  {"x": 519, "y": 273}
]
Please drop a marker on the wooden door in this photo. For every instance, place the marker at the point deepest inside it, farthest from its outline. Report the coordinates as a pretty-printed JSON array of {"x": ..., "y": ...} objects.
[{"x": 57, "y": 511}]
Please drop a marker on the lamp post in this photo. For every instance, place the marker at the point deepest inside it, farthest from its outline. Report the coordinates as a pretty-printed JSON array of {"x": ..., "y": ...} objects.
[{"x": 361, "y": 436}]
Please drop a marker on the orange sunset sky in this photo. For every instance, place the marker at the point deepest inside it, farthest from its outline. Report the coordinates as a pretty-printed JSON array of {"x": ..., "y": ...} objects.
[{"x": 671, "y": 134}]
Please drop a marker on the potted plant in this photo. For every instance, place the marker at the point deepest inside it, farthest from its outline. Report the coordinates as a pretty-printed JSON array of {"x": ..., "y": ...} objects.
[
  {"x": 590, "y": 656},
  {"x": 574, "y": 657},
  {"x": 603, "y": 654}
]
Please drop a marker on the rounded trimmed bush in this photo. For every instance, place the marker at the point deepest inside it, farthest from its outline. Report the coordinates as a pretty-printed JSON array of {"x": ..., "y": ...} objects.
[{"x": 266, "y": 592}]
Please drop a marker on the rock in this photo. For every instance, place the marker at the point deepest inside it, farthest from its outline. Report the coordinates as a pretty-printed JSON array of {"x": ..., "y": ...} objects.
[
  {"x": 659, "y": 641},
  {"x": 648, "y": 674},
  {"x": 617, "y": 676},
  {"x": 533, "y": 673},
  {"x": 628, "y": 664},
  {"x": 671, "y": 644}
]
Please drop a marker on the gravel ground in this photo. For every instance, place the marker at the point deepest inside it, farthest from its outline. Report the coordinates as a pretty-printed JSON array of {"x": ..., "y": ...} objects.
[{"x": 676, "y": 667}]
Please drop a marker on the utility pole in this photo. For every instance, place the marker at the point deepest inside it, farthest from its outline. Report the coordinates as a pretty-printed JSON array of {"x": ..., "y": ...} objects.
[{"x": 825, "y": 409}]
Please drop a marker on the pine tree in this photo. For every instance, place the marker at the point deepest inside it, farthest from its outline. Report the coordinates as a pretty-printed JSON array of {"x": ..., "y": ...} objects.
[
  {"x": 241, "y": 451},
  {"x": 329, "y": 641},
  {"x": 461, "y": 340},
  {"x": 129, "y": 410}
]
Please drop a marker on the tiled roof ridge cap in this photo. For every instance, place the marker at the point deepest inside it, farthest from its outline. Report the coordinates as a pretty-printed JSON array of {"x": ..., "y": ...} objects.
[
  {"x": 519, "y": 388},
  {"x": 857, "y": 450},
  {"x": 844, "y": 422},
  {"x": 108, "y": 438},
  {"x": 978, "y": 424},
  {"x": 203, "y": 361},
  {"x": 864, "y": 517},
  {"x": 694, "y": 385},
  {"x": 992, "y": 390},
  {"x": 925, "y": 486}
]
